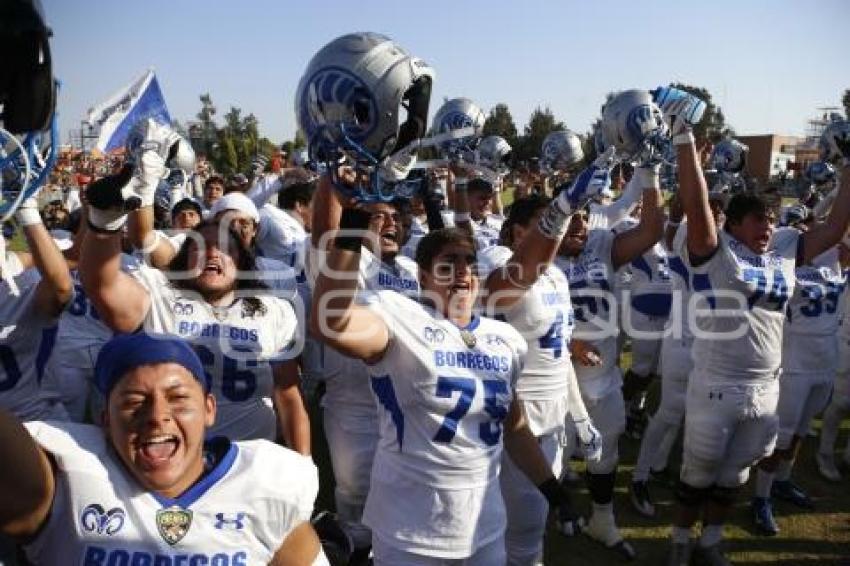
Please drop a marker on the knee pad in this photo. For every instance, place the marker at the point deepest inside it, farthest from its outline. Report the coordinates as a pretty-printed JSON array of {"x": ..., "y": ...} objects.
[
  {"x": 601, "y": 487},
  {"x": 722, "y": 495},
  {"x": 689, "y": 495},
  {"x": 634, "y": 384}
]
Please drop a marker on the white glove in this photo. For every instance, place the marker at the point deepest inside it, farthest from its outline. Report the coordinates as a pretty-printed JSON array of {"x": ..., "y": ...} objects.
[
  {"x": 681, "y": 111},
  {"x": 27, "y": 213},
  {"x": 590, "y": 439},
  {"x": 590, "y": 183}
]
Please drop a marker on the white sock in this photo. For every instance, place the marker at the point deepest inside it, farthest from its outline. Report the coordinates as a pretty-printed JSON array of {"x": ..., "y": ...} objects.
[
  {"x": 680, "y": 535},
  {"x": 764, "y": 481},
  {"x": 783, "y": 470},
  {"x": 711, "y": 535},
  {"x": 603, "y": 510}
]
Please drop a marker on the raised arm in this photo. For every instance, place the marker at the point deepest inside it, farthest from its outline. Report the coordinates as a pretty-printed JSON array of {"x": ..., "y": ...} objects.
[
  {"x": 631, "y": 244},
  {"x": 55, "y": 288},
  {"x": 836, "y": 140},
  {"x": 27, "y": 486},
  {"x": 140, "y": 229},
  {"x": 506, "y": 286},
  {"x": 352, "y": 329}
]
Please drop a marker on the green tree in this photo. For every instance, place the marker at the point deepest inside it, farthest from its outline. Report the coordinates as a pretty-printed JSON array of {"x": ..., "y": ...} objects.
[
  {"x": 540, "y": 124},
  {"x": 845, "y": 101},
  {"x": 713, "y": 126},
  {"x": 499, "y": 122}
]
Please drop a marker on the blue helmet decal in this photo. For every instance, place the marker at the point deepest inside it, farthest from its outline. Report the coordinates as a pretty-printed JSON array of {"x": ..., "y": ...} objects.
[
  {"x": 455, "y": 121},
  {"x": 639, "y": 121},
  {"x": 330, "y": 87}
]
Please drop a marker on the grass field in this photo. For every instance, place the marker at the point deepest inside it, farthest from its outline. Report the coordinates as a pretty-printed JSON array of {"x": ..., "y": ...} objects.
[{"x": 807, "y": 538}]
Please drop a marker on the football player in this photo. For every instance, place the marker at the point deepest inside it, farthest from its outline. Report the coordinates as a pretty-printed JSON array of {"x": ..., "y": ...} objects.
[
  {"x": 747, "y": 277},
  {"x": 590, "y": 258},
  {"x": 547, "y": 390},
  {"x": 241, "y": 330},
  {"x": 809, "y": 360},
  {"x": 145, "y": 487}
]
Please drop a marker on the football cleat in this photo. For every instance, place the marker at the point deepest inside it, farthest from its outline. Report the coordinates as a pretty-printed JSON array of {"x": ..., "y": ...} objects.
[
  {"x": 763, "y": 516},
  {"x": 602, "y": 528},
  {"x": 827, "y": 467},
  {"x": 792, "y": 493}
]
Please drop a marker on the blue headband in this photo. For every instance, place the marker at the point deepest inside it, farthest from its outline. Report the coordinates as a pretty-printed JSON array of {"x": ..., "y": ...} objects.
[{"x": 129, "y": 351}]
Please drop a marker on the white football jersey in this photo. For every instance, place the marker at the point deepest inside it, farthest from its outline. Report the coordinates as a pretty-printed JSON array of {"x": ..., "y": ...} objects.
[
  {"x": 238, "y": 514},
  {"x": 544, "y": 318},
  {"x": 739, "y": 328},
  {"x": 236, "y": 344},
  {"x": 591, "y": 277},
  {"x": 26, "y": 342},
  {"x": 443, "y": 393},
  {"x": 442, "y": 399},
  {"x": 486, "y": 231},
  {"x": 811, "y": 331},
  {"x": 647, "y": 277}
]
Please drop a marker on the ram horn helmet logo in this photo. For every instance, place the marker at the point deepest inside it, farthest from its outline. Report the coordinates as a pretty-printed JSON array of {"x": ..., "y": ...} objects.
[
  {"x": 95, "y": 519},
  {"x": 173, "y": 524}
]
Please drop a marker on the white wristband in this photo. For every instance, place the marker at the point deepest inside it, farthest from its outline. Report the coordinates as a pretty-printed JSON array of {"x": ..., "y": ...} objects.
[
  {"x": 28, "y": 217},
  {"x": 684, "y": 138}
]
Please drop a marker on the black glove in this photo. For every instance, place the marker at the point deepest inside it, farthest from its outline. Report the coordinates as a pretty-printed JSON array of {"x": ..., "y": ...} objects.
[
  {"x": 568, "y": 521},
  {"x": 352, "y": 228}
]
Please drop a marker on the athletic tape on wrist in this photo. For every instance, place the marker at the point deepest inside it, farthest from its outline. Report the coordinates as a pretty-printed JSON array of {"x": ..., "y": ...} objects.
[
  {"x": 684, "y": 138},
  {"x": 28, "y": 217},
  {"x": 553, "y": 221}
]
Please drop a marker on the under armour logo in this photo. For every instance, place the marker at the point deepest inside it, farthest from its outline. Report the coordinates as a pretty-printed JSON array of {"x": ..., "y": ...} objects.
[{"x": 234, "y": 522}]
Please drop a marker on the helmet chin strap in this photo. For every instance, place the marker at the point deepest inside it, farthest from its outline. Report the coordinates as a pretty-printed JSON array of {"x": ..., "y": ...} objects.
[{"x": 384, "y": 176}]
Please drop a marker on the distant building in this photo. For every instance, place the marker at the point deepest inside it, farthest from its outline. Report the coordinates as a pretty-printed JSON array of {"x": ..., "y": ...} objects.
[{"x": 773, "y": 156}]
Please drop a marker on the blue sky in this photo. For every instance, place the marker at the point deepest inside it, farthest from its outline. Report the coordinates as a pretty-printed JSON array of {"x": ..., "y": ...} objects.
[{"x": 768, "y": 63}]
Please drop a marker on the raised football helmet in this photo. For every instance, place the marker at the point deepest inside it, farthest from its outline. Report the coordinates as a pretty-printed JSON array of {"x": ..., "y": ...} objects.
[
  {"x": 561, "y": 151},
  {"x": 456, "y": 116},
  {"x": 820, "y": 173},
  {"x": 632, "y": 123},
  {"x": 835, "y": 141},
  {"x": 495, "y": 154},
  {"x": 729, "y": 156},
  {"x": 348, "y": 106}
]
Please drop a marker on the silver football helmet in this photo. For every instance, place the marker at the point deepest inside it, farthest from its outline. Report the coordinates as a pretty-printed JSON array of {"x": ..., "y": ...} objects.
[
  {"x": 834, "y": 142},
  {"x": 495, "y": 153},
  {"x": 820, "y": 173},
  {"x": 632, "y": 123},
  {"x": 454, "y": 115},
  {"x": 729, "y": 156},
  {"x": 349, "y": 102},
  {"x": 561, "y": 151}
]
